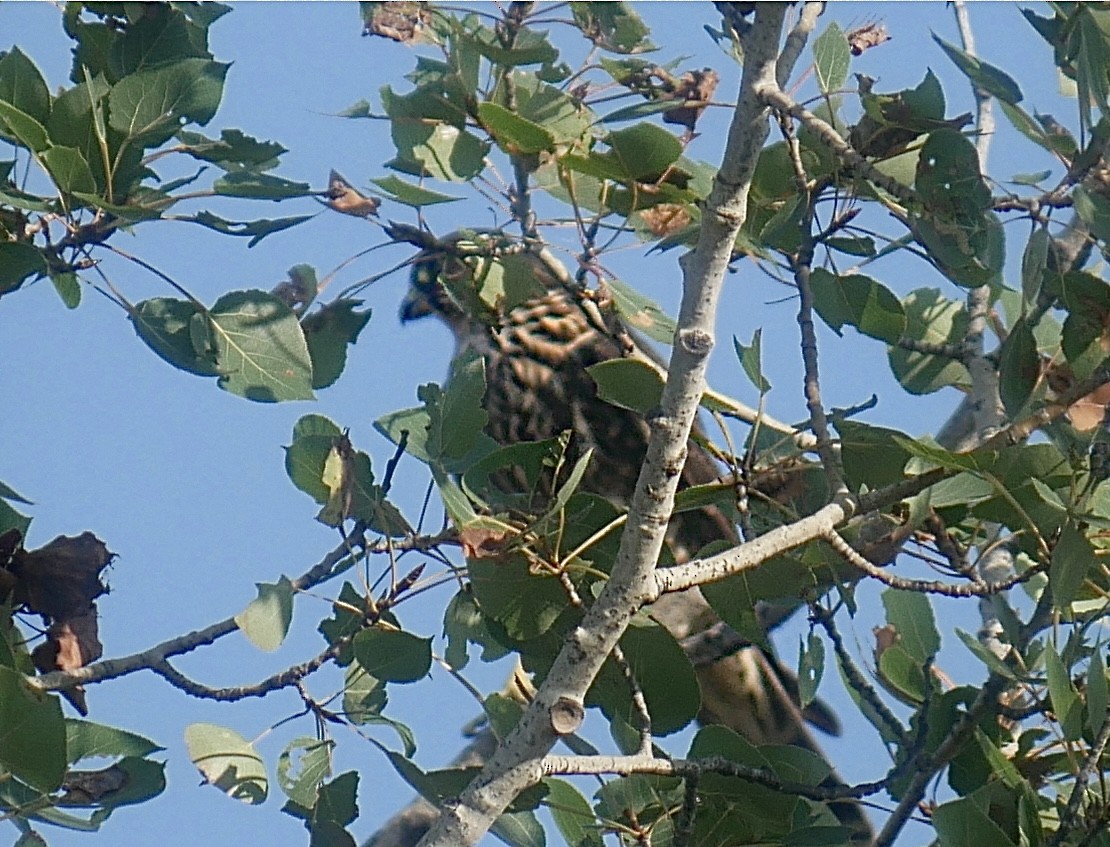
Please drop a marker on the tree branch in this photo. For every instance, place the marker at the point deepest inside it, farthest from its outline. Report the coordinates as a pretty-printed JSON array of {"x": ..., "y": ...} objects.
[
  {"x": 518, "y": 762},
  {"x": 155, "y": 657}
]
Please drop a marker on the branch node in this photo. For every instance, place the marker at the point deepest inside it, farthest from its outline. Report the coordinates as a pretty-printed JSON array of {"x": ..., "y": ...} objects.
[
  {"x": 566, "y": 715},
  {"x": 696, "y": 342}
]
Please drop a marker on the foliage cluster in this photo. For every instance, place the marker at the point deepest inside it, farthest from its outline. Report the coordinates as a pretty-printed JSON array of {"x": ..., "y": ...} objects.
[{"x": 857, "y": 175}]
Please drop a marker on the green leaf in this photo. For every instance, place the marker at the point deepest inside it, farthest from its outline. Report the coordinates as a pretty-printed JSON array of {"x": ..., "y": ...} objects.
[
  {"x": 68, "y": 287},
  {"x": 233, "y": 149},
  {"x": 1026, "y": 125},
  {"x": 1065, "y": 699},
  {"x": 87, "y": 740},
  {"x": 164, "y": 324},
  {"x": 1091, "y": 49},
  {"x": 783, "y": 230},
  {"x": 858, "y": 301},
  {"x": 1087, "y": 299},
  {"x": 228, "y": 762},
  {"x": 831, "y": 59},
  {"x": 408, "y": 194},
  {"x": 18, "y": 261},
  {"x": 32, "y": 733},
  {"x": 23, "y": 128},
  {"x": 260, "y": 348},
  {"x": 524, "y": 603},
  {"x": 638, "y": 111},
  {"x": 642, "y": 313},
  {"x": 643, "y": 801},
  {"x": 562, "y": 116},
  {"x": 23, "y": 87},
  {"x": 411, "y": 423},
  {"x": 872, "y": 455},
  {"x": 266, "y": 619},
  {"x": 529, "y": 47},
  {"x": 1098, "y": 697},
  {"x": 933, "y": 319},
  {"x": 392, "y": 655},
  {"x": 572, "y": 814},
  {"x": 519, "y": 829},
  {"x": 259, "y": 187},
  {"x": 334, "y": 806},
  {"x": 911, "y": 614},
  {"x": 644, "y": 151},
  {"x": 460, "y": 619},
  {"x": 514, "y": 134},
  {"x": 612, "y": 26},
  {"x": 955, "y": 226},
  {"x": 983, "y": 75},
  {"x": 69, "y": 169},
  {"x": 255, "y": 230},
  {"x": 1033, "y": 262},
  {"x": 328, "y": 332},
  {"x": 149, "y": 106},
  {"x": 1073, "y": 557},
  {"x": 1094, "y": 210},
  {"x": 754, "y": 814},
  {"x": 665, "y": 675},
  {"x": 628, "y": 383},
  {"x": 457, "y": 415},
  {"x": 1019, "y": 368},
  {"x": 901, "y": 674},
  {"x": 1031, "y": 179},
  {"x": 751, "y": 360},
  {"x": 440, "y": 150},
  {"x": 302, "y": 766},
  {"x": 337, "y": 800},
  {"x": 853, "y": 246},
  {"x": 961, "y": 822},
  {"x": 811, "y": 667},
  {"x": 503, "y": 713},
  {"x": 364, "y": 696},
  {"x": 984, "y": 655}
]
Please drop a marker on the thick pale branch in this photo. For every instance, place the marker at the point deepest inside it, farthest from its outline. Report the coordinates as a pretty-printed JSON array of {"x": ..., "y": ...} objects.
[
  {"x": 752, "y": 554},
  {"x": 518, "y": 762},
  {"x": 821, "y": 523}
]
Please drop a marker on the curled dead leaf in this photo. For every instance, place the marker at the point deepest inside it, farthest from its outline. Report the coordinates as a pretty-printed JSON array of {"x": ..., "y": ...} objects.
[
  {"x": 60, "y": 582},
  {"x": 397, "y": 21},
  {"x": 61, "y": 579},
  {"x": 666, "y": 219},
  {"x": 863, "y": 38},
  {"x": 70, "y": 644},
  {"x": 695, "y": 89},
  {"x": 87, "y": 788},
  {"x": 345, "y": 198},
  {"x": 885, "y": 638},
  {"x": 1086, "y": 413},
  {"x": 483, "y": 542}
]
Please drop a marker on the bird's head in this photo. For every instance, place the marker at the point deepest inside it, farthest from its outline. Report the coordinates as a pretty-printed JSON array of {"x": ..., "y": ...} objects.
[{"x": 472, "y": 278}]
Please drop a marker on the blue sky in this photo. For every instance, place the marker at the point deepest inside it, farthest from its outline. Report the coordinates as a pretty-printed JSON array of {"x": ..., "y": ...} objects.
[{"x": 186, "y": 483}]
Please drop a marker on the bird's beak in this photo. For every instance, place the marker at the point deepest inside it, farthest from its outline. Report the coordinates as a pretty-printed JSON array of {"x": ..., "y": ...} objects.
[{"x": 415, "y": 306}]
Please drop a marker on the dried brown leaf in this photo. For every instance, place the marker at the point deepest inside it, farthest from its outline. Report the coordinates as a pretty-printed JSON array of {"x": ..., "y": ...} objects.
[
  {"x": 345, "y": 198},
  {"x": 863, "y": 38}
]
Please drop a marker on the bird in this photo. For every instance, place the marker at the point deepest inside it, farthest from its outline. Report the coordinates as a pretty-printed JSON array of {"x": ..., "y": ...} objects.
[{"x": 537, "y": 349}]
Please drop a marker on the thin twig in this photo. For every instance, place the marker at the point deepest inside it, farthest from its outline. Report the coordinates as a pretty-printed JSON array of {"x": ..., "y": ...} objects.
[
  {"x": 152, "y": 656},
  {"x": 923, "y": 586},
  {"x": 856, "y": 680}
]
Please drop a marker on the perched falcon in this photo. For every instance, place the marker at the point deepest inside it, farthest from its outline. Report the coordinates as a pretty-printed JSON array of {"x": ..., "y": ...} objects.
[{"x": 536, "y": 355}]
